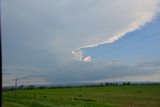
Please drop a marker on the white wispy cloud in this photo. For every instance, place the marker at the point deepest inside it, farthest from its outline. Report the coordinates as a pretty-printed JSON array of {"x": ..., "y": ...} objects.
[
  {"x": 69, "y": 25},
  {"x": 130, "y": 15},
  {"x": 87, "y": 59}
]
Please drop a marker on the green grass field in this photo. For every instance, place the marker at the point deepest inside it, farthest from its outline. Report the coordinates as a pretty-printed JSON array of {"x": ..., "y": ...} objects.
[{"x": 111, "y": 96}]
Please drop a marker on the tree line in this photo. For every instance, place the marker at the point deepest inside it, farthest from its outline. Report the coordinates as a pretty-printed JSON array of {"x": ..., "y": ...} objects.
[{"x": 31, "y": 87}]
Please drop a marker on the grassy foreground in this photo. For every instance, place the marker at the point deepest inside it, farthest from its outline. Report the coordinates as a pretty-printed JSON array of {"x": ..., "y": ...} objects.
[{"x": 111, "y": 96}]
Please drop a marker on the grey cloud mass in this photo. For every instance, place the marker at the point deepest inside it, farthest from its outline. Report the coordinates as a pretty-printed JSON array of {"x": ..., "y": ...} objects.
[{"x": 38, "y": 36}]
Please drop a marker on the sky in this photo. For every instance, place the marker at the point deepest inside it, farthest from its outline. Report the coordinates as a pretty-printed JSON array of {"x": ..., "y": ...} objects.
[{"x": 61, "y": 41}]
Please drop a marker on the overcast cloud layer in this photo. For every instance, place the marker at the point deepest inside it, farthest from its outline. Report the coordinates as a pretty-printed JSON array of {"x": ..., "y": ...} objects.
[{"x": 49, "y": 35}]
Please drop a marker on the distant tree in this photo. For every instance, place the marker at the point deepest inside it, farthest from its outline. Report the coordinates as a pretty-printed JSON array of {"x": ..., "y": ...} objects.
[
  {"x": 42, "y": 87},
  {"x": 126, "y": 83},
  {"x": 106, "y": 84},
  {"x": 21, "y": 87},
  {"x": 31, "y": 87}
]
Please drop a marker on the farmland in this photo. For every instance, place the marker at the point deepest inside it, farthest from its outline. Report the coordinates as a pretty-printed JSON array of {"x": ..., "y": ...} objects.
[{"x": 107, "y": 96}]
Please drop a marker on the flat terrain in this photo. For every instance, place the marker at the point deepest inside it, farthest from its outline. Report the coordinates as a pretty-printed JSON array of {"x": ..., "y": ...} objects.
[{"x": 109, "y": 96}]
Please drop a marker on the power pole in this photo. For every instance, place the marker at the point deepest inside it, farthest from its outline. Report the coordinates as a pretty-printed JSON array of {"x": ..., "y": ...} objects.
[{"x": 15, "y": 86}]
